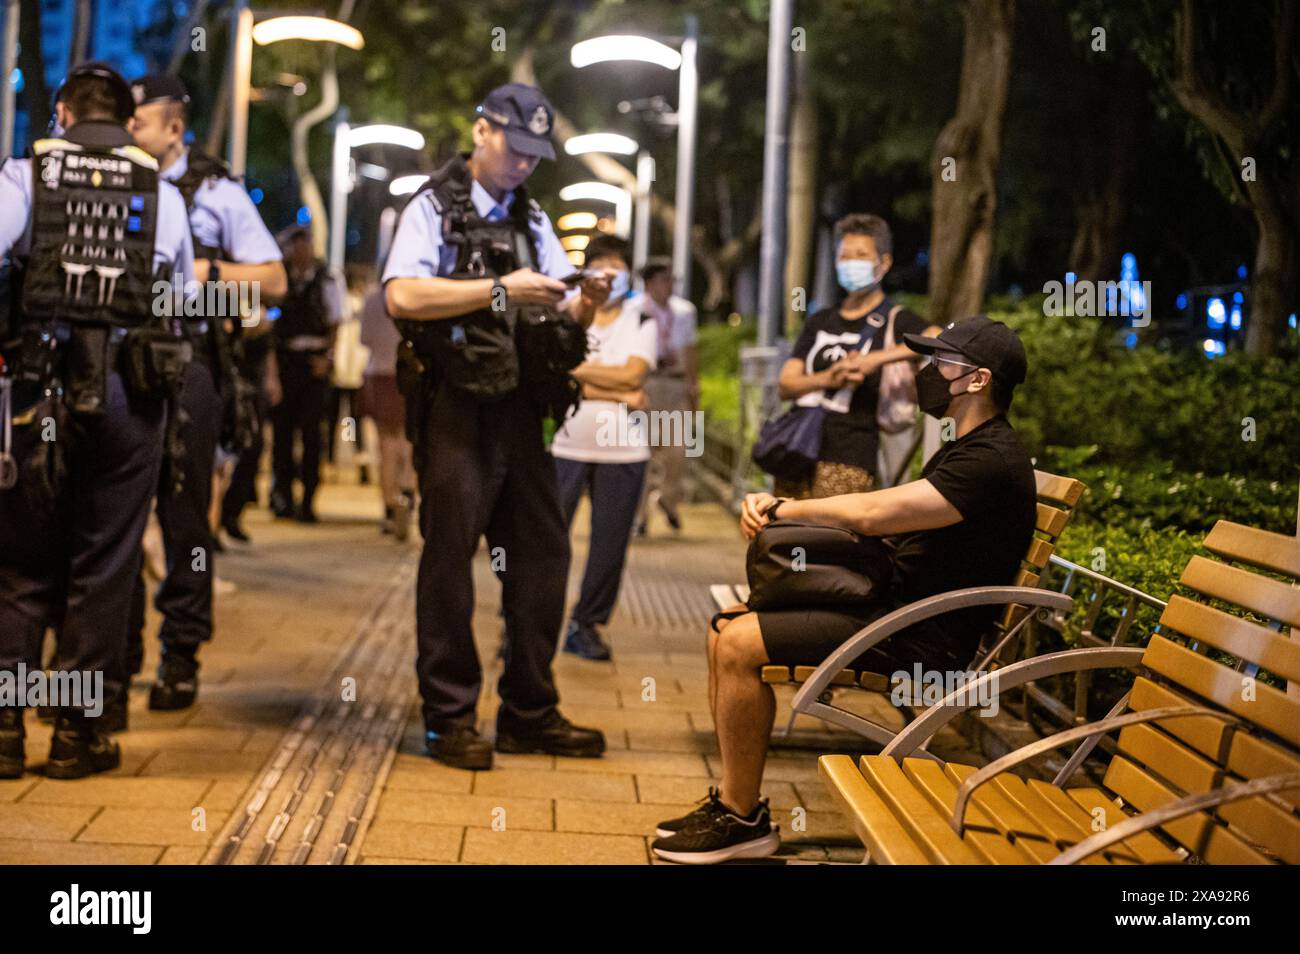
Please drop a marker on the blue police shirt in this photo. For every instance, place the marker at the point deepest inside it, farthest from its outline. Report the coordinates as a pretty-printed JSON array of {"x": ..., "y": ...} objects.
[
  {"x": 173, "y": 250},
  {"x": 224, "y": 217},
  {"x": 418, "y": 250}
]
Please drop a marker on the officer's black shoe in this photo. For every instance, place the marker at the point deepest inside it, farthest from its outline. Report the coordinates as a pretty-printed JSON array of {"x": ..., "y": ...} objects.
[
  {"x": 12, "y": 734},
  {"x": 583, "y": 641},
  {"x": 460, "y": 747},
  {"x": 178, "y": 683},
  {"x": 114, "y": 717},
  {"x": 281, "y": 506},
  {"x": 233, "y": 530},
  {"x": 46, "y": 714},
  {"x": 80, "y": 747},
  {"x": 550, "y": 735},
  {"x": 306, "y": 513}
]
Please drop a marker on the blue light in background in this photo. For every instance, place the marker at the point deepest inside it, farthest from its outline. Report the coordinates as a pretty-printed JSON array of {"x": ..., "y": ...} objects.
[
  {"x": 1181, "y": 302},
  {"x": 1131, "y": 340},
  {"x": 257, "y": 195},
  {"x": 1234, "y": 318},
  {"x": 16, "y": 80},
  {"x": 1241, "y": 271},
  {"x": 1070, "y": 278},
  {"x": 1213, "y": 348},
  {"x": 304, "y": 216},
  {"x": 1291, "y": 320},
  {"x": 1215, "y": 312},
  {"x": 1238, "y": 297}
]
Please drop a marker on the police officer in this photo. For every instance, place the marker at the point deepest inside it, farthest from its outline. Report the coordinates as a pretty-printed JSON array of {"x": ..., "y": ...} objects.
[
  {"x": 87, "y": 363},
  {"x": 231, "y": 244},
  {"x": 472, "y": 258},
  {"x": 304, "y": 341}
]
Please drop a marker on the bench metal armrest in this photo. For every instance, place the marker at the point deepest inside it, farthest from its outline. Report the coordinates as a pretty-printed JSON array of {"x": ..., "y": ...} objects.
[
  {"x": 1034, "y": 749},
  {"x": 905, "y": 616},
  {"x": 1173, "y": 811},
  {"x": 974, "y": 694}
]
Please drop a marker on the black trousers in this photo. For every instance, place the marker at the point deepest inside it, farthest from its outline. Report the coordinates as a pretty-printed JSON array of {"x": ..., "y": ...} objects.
[
  {"x": 185, "y": 597},
  {"x": 484, "y": 470},
  {"x": 615, "y": 491},
  {"x": 300, "y": 411},
  {"x": 76, "y": 568},
  {"x": 243, "y": 479}
]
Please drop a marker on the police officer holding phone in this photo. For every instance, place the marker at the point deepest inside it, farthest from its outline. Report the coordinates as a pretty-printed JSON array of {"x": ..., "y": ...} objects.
[
  {"x": 231, "y": 244},
  {"x": 490, "y": 332},
  {"x": 87, "y": 362}
]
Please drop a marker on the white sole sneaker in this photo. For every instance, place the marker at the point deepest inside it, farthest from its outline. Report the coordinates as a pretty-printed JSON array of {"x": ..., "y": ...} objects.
[{"x": 758, "y": 848}]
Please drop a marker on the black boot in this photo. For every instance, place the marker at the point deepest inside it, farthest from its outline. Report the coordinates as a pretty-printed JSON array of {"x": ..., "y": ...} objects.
[
  {"x": 80, "y": 747},
  {"x": 12, "y": 734},
  {"x": 460, "y": 747},
  {"x": 114, "y": 717},
  {"x": 178, "y": 682},
  {"x": 551, "y": 735}
]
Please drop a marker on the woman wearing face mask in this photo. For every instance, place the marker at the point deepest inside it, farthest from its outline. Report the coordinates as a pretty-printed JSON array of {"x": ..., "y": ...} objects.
[
  {"x": 603, "y": 449},
  {"x": 837, "y": 359}
]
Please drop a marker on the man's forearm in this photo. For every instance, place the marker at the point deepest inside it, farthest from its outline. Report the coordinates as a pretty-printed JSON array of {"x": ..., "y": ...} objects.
[
  {"x": 431, "y": 299},
  {"x": 581, "y": 308},
  {"x": 270, "y": 277},
  {"x": 856, "y": 512}
]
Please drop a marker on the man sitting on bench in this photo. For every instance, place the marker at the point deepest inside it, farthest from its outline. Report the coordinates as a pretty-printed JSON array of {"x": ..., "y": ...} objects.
[{"x": 967, "y": 522}]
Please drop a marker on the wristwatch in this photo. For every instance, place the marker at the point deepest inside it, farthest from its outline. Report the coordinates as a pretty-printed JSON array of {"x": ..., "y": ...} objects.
[{"x": 771, "y": 511}]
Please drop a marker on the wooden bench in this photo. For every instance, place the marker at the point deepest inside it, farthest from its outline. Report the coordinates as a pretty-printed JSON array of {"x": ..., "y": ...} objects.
[{"x": 1207, "y": 760}]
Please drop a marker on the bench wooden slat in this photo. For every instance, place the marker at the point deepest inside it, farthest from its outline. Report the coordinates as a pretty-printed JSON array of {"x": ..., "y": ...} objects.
[
  {"x": 880, "y": 832},
  {"x": 1273, "y": 551},
  {"x": 776, "y": 675},
  {"x": 1031, "y": 833},
  {"x": 1197, "y": 833},
  {"x": 1102, "y": 807},
  {"x": 1046, "y": 801},
  {"x": 1050, "y": 520},
  {"x": 1040, "y": 552},
  {"x": 1065, "y": 490},
  {"x": 1251, "y": 758},
  {"x": 845, "y": 677},
  {"x": 982, "y": 834},
  {"x": 1270, "y": 709},
  {"x": 1234, "y": 635},
  {"x": 918, "y": 817},
  {"x": 1208, "y": 736},
  {"x": 1260, "y": 594}
]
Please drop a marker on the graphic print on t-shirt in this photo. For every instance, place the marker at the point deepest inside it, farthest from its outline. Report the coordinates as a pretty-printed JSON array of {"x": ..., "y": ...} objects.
[{"x": 828, "y": 348}]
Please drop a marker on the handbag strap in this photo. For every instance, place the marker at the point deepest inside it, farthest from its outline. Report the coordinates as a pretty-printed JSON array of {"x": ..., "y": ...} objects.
[{"x": 889, "y": 326}]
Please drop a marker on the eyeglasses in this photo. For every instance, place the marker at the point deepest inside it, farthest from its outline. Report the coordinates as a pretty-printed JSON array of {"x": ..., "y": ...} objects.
[{"x": 940, "y": 359}]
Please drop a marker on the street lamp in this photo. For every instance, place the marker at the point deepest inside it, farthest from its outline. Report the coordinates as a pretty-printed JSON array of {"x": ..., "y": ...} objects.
[
  {"x": 604, "y": 49},
  {"x": 405, "y": 185},
  {"x": 603, "y": 192},
  {"x": 271, "y": 30},
  {"x": 347, "y": 138},
  {"x": 645, "y": 173},
  {"x": 600, "y": 142}
]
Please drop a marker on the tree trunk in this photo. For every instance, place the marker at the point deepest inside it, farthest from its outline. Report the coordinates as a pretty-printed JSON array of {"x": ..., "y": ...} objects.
[
  {"x": 1101, "y": 210},
  {"x": 1275, "y": 287},
  {"x": 35, "y": 95},
  {"x": 801, "y": 195},
  {"x": 965, "y": 165}
]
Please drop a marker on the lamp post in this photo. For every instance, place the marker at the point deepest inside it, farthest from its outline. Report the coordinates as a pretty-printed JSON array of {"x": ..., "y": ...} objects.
[
  {"x": 7, "y": 92},
  {"x": 645, "y": 171},
  {"x": 246, "y": 32},
  {"x": 646, "y": 50},
  {"x": 347, "y": 138}
]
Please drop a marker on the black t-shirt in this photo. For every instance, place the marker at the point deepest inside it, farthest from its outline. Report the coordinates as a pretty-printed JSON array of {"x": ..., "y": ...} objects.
[
  {"x": 849, "y": 434},
  {"x": 988, "y": 477}
]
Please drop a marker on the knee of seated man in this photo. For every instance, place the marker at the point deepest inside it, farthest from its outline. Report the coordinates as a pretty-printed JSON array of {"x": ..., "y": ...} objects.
[{"x": 740, "y": 645}]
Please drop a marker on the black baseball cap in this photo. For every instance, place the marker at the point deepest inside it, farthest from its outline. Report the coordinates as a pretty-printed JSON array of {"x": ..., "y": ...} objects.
[
  {"x": 159, "y": 88},
  {"x": 988, "y": 343},
  {"x": 526, "y": 115}
]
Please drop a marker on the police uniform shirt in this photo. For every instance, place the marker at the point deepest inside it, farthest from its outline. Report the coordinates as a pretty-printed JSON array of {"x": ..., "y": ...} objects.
[
  {"x": 418, "y": 250},
  {"x": 173, "y": 250},
  {"x": 224, "y": 217}
]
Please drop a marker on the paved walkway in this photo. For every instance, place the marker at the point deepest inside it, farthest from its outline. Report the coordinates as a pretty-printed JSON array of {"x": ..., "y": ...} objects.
[{"x": 306, "y": 745}]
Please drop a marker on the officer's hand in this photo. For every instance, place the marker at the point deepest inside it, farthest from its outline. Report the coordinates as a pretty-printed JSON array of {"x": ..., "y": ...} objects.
[
  {"x": 596, "y": 289},
  {"x": 527, "y": 287}
]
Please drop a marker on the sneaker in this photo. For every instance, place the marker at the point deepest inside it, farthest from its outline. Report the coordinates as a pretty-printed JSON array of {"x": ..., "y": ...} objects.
[
  {"x": 12, "y": 746},
  {"x": 80, "y": 747},
  {"x": 673, "y": 518},
  {"x": 711, "y": 805},
  {"x": 178, "y": 683},
  {"x": 583, "y": 641},
  {"x": 460, "y": 747},
  {"x": 550, "y": 735},
  {"x": 722, "y": 836}
]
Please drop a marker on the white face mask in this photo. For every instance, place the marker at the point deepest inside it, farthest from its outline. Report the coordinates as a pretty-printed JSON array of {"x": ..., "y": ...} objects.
[{"x": 855, "y": 274}]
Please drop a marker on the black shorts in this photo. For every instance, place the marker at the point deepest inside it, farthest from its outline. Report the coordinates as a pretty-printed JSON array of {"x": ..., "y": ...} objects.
[{"x": 805, "y": 637}]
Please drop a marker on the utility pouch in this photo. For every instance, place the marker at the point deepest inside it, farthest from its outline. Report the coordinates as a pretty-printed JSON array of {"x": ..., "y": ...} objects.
[
  {"x": 86, "y": 369},
  {"x": 476, "y": 353},
  {"x": 153, "y": 362}
]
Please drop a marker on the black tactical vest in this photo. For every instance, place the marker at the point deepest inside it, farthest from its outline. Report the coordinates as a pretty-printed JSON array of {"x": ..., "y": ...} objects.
[
  {"x": 302, "y": 310},
  {"x": 489, "y": 353},
  {"x": 199, "y": 168},
  {"x": 94, "y": 215}
]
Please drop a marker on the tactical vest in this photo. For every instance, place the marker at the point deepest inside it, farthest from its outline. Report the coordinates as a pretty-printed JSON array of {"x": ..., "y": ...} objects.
[
  {"x": 94, "y": 216},
  {"x": 490, "y": 353},
  {"x": 302, "y": 310},
  {"x": 199, "y": 168}
]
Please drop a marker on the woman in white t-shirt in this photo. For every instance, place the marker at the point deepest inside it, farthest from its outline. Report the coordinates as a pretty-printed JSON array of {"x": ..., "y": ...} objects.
[{"x": 603, "y": 449}]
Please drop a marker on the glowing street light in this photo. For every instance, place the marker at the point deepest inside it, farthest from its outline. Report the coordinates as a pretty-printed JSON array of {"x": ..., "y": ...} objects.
[
  {"x": 316, "y": 29},
  {"x": 621, "y": 199},
  {"x": 603, "y": 49},
  {"x": 347, "y": 138},
  {"x": 573, "y": 221},
  {"x": 385, "y": 135},
  {"x": 405, "y": 185},
  {"x": 600, "y": 142}
]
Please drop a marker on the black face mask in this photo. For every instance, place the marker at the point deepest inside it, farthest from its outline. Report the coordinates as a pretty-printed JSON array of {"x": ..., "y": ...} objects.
[{"x": 933, "y": 394}]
